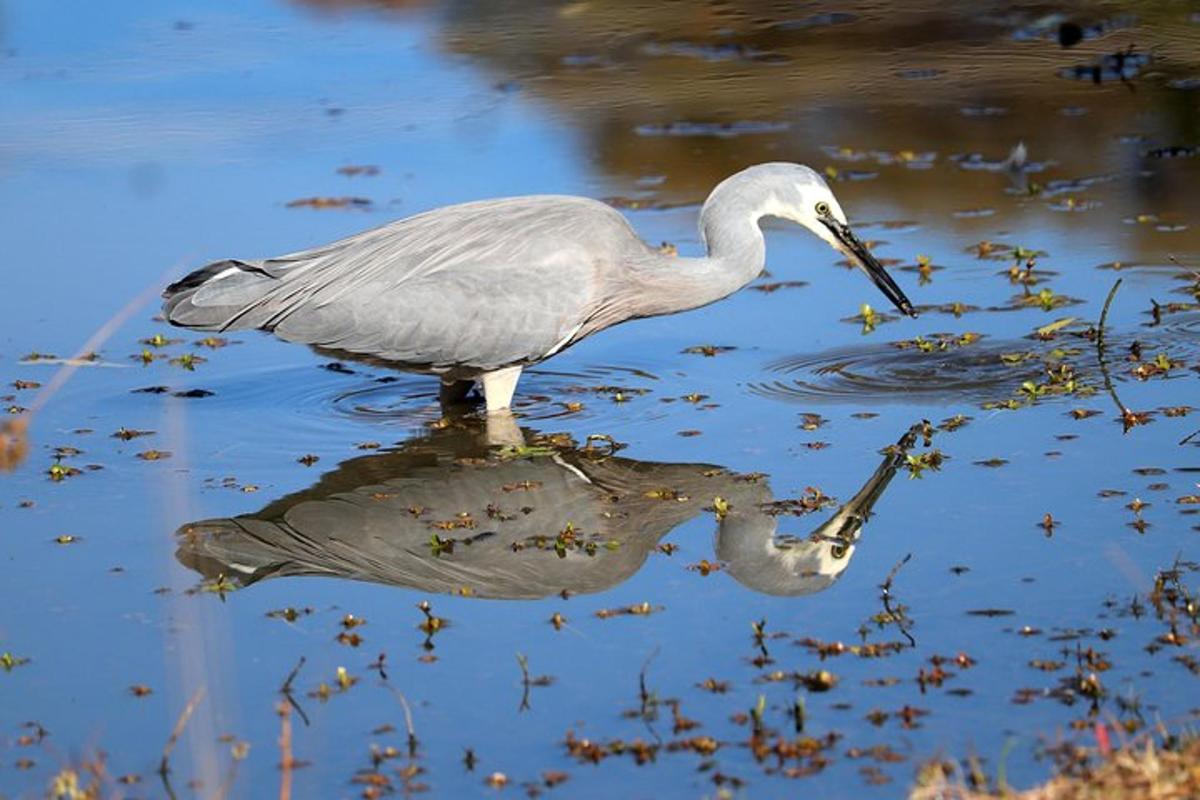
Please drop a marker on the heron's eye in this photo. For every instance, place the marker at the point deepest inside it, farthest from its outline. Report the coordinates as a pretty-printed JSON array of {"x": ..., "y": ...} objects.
[{"x": 822, "y": 209}]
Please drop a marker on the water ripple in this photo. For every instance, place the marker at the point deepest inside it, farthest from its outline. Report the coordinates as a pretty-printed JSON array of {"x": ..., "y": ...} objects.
[{"x": 974, "y": 373}]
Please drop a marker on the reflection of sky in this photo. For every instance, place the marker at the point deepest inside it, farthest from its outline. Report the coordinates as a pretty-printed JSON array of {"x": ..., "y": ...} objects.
[
  {"x": 157, "y": 147},
  {"x": 226, "y": 88}
]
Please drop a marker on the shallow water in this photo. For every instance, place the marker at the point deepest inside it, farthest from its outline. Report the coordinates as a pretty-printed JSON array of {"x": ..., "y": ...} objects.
[{"x": 140, "y": 140}]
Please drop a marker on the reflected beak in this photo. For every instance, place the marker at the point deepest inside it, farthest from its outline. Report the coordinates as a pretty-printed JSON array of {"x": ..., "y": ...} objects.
[{"x": 858, "y": 252}]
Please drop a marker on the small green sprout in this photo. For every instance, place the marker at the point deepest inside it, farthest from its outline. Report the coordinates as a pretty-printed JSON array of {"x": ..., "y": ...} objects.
[
  {"x": 219, "y": 585},
  {"x": 720, "y": 507},
  {"x": 917, "y": 464},
  {"x": 869, "y": 316},
  {"x": 9, "y": 662}
]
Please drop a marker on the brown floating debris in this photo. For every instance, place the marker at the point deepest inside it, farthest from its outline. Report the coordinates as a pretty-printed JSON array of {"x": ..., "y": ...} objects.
[
  {"x": 635, "y": 610},
  {"x": 330, "y": 202},
  {"x": 125, "y": 434},
  {"x": 708, "y": 350},
  {"x": 353, "y": 170}
]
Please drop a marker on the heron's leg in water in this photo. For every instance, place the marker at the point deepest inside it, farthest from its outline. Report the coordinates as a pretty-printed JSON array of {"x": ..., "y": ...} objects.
[
  {"x": 498, "y": 387},
  {"x": 454, "y": 392},
  {"x": 502, "y": 430}
]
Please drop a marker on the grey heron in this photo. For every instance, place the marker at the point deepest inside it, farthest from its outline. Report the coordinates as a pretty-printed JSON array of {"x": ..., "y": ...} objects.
[
  {"x": 496, "y": 518},
  {"x": 478, "y": 291}
]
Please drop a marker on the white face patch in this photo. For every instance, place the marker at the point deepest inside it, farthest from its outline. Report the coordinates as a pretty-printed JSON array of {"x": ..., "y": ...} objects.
[
  {"x": 801, "y": 207},
  {"x": 776, "y": 207},
  {"x": 811, "y": 196}
]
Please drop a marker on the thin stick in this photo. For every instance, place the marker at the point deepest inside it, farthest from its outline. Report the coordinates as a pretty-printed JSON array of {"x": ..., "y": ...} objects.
[
  {"x": 1104, "y": 311},
  {"x": 227, "y": 783},
  {"x": 1108, "y": 384},
  {"x": 287, "y": 684},
  {"x": 886, "y": 586},
  {"x": 285, "y": 748},
  {"x": 286, "y": 690},
  {"x": 643, "y": 692},
  {"x": 14, "y": 433},
  {"x": 96, "y": 341},
  {"x": 164, "y": 766},
  {"x": 408, "y": 721},
  {"x": 649, "y": 701},
  {"x": 524, "y": 663}
]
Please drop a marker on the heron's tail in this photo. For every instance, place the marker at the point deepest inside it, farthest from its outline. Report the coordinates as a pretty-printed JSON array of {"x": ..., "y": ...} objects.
[
  {"x": 215, "y": 297},
  {"x": 225, "y": 547}
]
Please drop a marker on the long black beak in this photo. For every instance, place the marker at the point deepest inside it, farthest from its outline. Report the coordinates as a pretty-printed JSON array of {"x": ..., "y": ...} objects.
[{"x": 858, "y": 251}]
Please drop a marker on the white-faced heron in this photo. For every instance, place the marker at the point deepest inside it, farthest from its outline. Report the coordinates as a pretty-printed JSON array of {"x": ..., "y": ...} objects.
[{"x": 478, "y": 291}]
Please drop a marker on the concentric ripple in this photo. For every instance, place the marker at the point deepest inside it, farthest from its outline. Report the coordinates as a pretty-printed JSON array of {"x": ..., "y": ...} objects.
[
  {"x": 885, "y": 373},
  {"x": 314, "y": 398},
  {"x": 991, "y": 369}
]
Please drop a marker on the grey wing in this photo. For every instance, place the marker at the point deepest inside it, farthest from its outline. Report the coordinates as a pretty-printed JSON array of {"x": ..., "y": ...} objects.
[{"x": 481, "y": 285}]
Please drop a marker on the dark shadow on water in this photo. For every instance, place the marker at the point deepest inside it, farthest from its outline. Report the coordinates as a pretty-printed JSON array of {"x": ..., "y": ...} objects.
[{"x": 446, "y": 513}]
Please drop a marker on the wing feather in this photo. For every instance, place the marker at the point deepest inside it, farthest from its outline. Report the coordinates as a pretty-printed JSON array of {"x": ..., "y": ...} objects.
[{"x": 479, "y": 285}]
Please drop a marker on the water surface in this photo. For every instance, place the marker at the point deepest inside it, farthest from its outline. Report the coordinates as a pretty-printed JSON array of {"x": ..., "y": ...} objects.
[{"x": 677, "y": 544}]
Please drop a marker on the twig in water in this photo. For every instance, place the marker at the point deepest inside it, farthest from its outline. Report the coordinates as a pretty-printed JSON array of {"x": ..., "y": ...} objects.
[
  {"x": 408, "y": 721},
  {"x": 1129, "y": 418},
  {"x": 526, "y": 681},
  {"x": 164, "y": 766},
  {"x": 1104, "y": 313},
  {"x": 237, "y": 753},
  {"x": 886, "y": 595},
  {"x": 287, "y": 684},
  {"x": 286, "y": 690},
  {"x": 286, "y": 762},
  {"x": 14, "y": 445},
  {"x": 649, "y": 701},
  {"x": 760, "y": 641}
]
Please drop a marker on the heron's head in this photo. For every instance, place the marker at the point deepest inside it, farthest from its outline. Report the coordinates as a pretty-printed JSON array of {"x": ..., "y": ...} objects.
[{"x": 800, "y": 194}]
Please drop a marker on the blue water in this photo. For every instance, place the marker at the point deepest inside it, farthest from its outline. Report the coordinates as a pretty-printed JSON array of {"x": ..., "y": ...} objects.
[{"x": 140, "y": 140}]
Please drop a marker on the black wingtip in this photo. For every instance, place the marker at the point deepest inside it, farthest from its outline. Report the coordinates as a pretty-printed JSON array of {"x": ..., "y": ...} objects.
[{"x": 199, "y": 277}]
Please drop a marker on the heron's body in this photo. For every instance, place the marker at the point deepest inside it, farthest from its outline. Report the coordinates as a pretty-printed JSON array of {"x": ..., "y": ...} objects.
[{"x": 480, "y": 290}]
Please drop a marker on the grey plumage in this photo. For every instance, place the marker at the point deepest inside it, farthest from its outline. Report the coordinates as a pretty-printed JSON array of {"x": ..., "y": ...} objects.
[
  {"x": 469, "y": 289},
  {"x": 476, "y": 286},
  {"x": 358, "y": 522}
]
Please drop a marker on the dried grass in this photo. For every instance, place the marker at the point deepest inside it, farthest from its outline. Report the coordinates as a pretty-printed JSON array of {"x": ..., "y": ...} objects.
[{"x": 1143, "y": 771}]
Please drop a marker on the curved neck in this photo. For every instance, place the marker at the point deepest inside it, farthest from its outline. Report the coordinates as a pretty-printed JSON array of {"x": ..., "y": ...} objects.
[
  {"x": 730, "y": 232},
  {"x": 736, "y": 254}
]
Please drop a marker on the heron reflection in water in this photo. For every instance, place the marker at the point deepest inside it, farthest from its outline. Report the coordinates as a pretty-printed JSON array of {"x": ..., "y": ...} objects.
[{"x": 444, "y": 513}]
